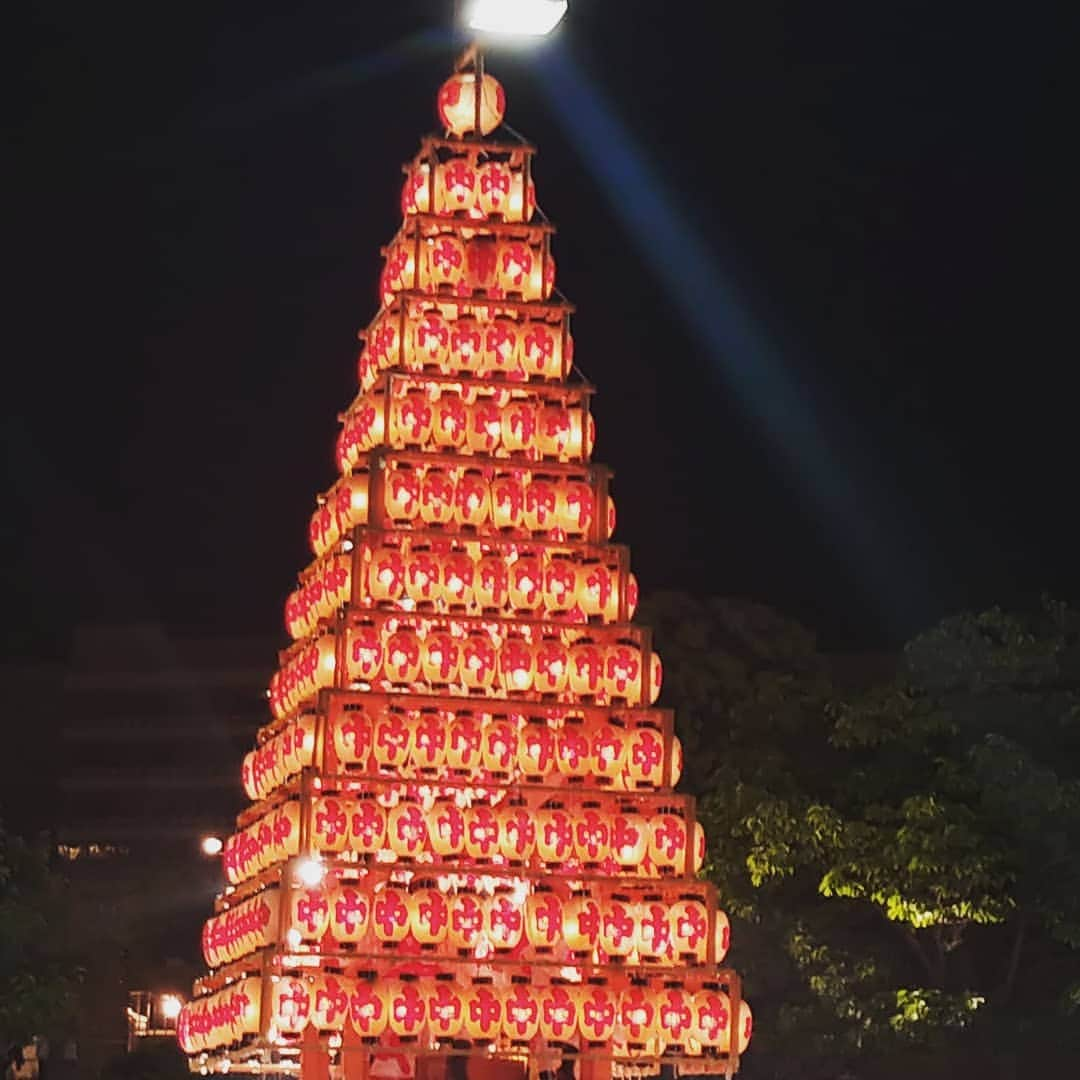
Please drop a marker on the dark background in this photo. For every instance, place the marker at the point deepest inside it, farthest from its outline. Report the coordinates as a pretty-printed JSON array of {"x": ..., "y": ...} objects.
[{"x": 864, "y": 417}]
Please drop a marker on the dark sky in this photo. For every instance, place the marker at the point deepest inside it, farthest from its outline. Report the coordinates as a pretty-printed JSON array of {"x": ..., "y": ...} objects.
[{"x": 878, "y": 190}]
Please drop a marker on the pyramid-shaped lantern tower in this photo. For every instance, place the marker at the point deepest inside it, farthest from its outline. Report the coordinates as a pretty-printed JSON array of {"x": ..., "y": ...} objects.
[{"x": 463, "y": 838}]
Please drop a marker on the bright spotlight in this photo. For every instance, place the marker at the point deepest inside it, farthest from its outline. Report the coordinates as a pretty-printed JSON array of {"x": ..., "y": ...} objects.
[
  {"x": 211, "y": 845},
  {"x": 310, "y": 872},
  {"x": 517, "y": 18},
  {"x": 170, "y": 1006}
]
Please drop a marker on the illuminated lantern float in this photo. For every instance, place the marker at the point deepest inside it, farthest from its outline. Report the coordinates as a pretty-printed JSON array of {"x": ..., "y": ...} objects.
[{"x": 464, "y": 833}]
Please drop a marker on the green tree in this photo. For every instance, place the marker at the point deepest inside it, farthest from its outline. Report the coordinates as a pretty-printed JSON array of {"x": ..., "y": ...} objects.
[
  {"x": 39, "y": 976},
  {"x": 903, "y": 862}
]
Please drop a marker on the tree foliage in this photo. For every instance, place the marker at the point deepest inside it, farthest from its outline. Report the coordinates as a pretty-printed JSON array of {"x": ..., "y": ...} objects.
[
  {"x": 903, "y": 860},
  {"x": 38, "y": 976}
]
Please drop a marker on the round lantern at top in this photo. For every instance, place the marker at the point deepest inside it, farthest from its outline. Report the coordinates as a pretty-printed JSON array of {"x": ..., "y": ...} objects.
[{"x": 457, "y": 104}]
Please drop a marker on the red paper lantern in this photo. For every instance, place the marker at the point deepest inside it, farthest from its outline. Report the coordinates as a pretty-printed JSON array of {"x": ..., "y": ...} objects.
[
  {"x": 552, "y": 667},
  {"x": 586, "y": 669},
  {"x": 479, "y": 661},
  {"x": 541, "y": 351},
  {"x": 330, "y": 824},
  {"x": 455, "y": 187},
  {"x": 402, "y": 498},
  {"x": 441, "y": 663},
  {"x": 629, "y": 839},
  {"x": 543, "y": 920},
  {"x": 483, "y": 1008},
  {"x": 472, "y": 500},
  {"x": 517, "y": 833},
  {"x": 517, "y": 664},
  {"x": 429, "y": 727},
  {"x": 402, "y": 656},
  {"x": 309, "y": 913},
  {"x": 518, "y": 427},
  {"x": 367, "y": 1011},
  {"x": 654, "y": 930},
  {"x": 406, "y": 1008},
  {"x": 493, "y": 188},
  {"x": 526, "y": 583},
  {"x": 390, "y": 916},
  {"x": 406, "y": 830},
  {"x": 618, "y": 927},
  {"x": 386, "y": 575},
  {"x": 498, "y": 747},
  {"x": 638, "y": 1015},
  {"x": 667, "y": 842},
  {"x": 457, "y": 107},
  {"x": 675, "y": 1015},
  {"x": 502, "y": 355},
  {"x": 451, "y": 420},
  {"x": 416, "y": 191},
  {"x": 290, "y": 1004},
  {"x": 446, "y": 829},
  {"x": 436, "y": 497},
  {"x": 521, "y": 1013},
  {"x": 745, "y": 1026},
  {"x": 592, "y": 837},
  {"x": 392, "y": 740},
  {"x": 367, "y": 827},
  {"x": 481, "y": 265},
  {"x": 329, "y": 1002},
  {"x": 572, "y": 752},
  {"x": 364, "y": 658},
  {"x": 721, "y": 936},
  {"x": 541, "y": 500},
  {"x": 507, "y": 502},
  {"x": 458, "y": 573},
  {"x": 622, "y": 671},
  {"x": 689, "y": 930},
  {"x": 697, "y": 845},
  {"x": 466, "y": 923},
  {"x": 481, "y": 833},
  {"x": 537, "y": 747},
  {"x": 463, "y": 743},
  {"x": 516, "y": 260},
  {"x": 577, "y": 502},
  {"x": 411, "y": 418},
  {"x": 504, "y": 921},
  {"x": 492, "y": 582},
  {"x": 560, "y": 584},
  {"x": 429, "y": 917},
  {"x": 598, "y": 1014},
  {"x": 423, "y": 574},
  {"x": 558, "y": 1013},
  {"x": 711, "y": 1027},
  {"x": 446, "y": 1011},
  {"x": 467, "y": 339},
  {"x": 484, "y": 429},
  {"x": 554, "y": 836},
  {"x": 350, "y": 913},
  {"x": 645, "y": 758},
  {"x": 445, "y": 261}
]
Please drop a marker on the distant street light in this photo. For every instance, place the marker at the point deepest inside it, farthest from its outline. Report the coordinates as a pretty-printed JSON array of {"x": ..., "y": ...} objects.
[
  {"x": 170, "y": 1006},
  {"x": 514, "y": 18},
  {"x": 211, "y": 845}
]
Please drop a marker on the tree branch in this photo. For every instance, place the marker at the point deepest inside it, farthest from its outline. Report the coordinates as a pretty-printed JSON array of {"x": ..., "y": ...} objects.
[{"x": 1005, "y": 993}]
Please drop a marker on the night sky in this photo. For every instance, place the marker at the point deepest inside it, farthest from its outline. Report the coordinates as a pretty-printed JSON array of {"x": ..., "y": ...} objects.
[{"x": 867, "y": 423}]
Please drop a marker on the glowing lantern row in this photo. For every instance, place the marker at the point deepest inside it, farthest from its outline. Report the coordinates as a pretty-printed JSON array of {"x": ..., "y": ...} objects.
[
  {"x": 456, "y": 104},
  {"x": 283, "y": 755},
  {"x": 481, "y": 1011},
  {"x": 309, "y": 668},
  {"x": 465, "y": 185},
  {"x": 478, "y": 266},
  {"x": 447, "y": 421},
  {"x": 479, "y": 661},
  {"x": 439, "y": 742},
  {"x": 517, "y": 502},
  {"x": 266, "y": 842},
  {"x": 556, "y": 837},
  {"x": 345, "y": 505},
  {"x": 551, "y": 584},
  {"x": 498, "y": 346},
  {"x": 326, "y": 587},
  {"x": 652, "y": 929},
  {"x": 249, "y": 925},
  {"x": 222, "y": 1018}
]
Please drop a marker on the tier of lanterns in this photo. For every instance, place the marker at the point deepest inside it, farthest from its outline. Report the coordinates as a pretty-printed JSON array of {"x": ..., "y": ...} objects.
[
  {"x": 479, "y": 500},
  {"x": 642, "y": 1021},
  {"x": 553, "y": 925},
  {"x": 463, "y": 835}
]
